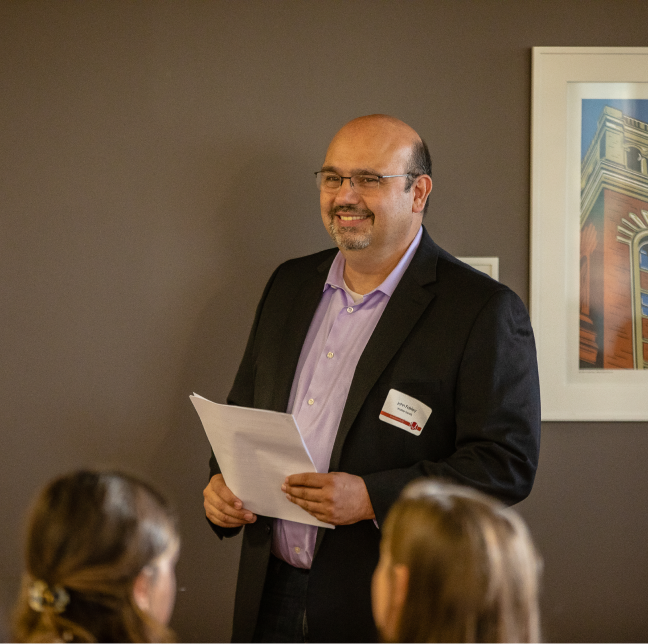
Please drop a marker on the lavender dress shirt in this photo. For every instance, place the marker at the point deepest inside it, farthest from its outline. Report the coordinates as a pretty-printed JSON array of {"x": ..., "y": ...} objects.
[{"x": 336, "y": 338}]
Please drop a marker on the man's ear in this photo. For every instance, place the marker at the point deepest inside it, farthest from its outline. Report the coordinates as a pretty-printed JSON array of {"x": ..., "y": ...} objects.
[
  {"x": 422, "y": 188},
  {"x": 142, "y": 590}
]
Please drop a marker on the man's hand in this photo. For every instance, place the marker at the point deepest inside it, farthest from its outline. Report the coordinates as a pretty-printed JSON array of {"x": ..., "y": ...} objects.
[
  {"x": 336, "y": 498},
  {"x": 222, "y": 507}
]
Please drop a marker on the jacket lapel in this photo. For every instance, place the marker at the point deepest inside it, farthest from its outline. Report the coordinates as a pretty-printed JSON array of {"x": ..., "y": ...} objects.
[
  {"x": 294, "y": 333},
  {"x": 401, "y": 314}
]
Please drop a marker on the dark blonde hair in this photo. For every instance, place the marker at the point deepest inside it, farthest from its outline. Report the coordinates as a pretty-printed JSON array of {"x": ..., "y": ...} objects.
[
  {"x": 473, "y": 569},
  {"x": 90, "y": 534}
]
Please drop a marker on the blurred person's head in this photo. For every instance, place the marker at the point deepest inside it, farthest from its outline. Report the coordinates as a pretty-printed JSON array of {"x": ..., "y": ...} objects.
[
  {"x": 455, "y": 566},
  {"x": 100, "y": 562}
]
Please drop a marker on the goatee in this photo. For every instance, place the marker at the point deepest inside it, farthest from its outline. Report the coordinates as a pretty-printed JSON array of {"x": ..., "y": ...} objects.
[{"x": 349, "y": 237}]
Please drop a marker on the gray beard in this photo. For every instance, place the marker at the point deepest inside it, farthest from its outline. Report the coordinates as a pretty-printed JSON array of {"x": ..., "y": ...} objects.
[{"x": 348, "y": 238}]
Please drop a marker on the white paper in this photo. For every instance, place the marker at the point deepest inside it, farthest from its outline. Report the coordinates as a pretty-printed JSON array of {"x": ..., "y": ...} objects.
[{"x": 256, "y": 449}]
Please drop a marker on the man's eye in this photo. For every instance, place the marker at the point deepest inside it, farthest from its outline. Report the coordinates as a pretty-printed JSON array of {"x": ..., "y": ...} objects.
[
  {"x": 331, "y": 179},
  {"x": 366, "y": 180}
]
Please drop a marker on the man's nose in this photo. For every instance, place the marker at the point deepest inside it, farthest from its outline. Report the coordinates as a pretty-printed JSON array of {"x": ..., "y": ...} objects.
[{"x": 346, "y": 193}]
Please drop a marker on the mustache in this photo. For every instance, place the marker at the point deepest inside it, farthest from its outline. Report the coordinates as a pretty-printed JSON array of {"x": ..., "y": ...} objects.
[{"x": 350, "y": 210}]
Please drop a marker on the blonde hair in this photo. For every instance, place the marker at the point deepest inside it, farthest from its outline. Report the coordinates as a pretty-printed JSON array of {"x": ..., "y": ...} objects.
[
  {"x": 90, "y": 534},
  {"x": 473, "y": 569}
]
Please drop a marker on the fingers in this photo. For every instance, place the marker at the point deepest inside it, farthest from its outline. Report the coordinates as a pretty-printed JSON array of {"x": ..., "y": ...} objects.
[
  {"x": 310, "y": 491},
  {"x": 337, "y": 497},
  {"x": 315, "y": 500},
  {"x": 217, "y": 484},
  {"x": 315, "y": 509},
  {"x": 305, "y": 493},
  {"x": 222, "y": 507},
  {"x": 308, "y": 479},
  {"x": 227, "y": 517}
]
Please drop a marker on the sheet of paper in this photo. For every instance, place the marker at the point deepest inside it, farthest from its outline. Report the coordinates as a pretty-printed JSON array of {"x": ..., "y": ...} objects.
[{"x": 256, "y": 449}]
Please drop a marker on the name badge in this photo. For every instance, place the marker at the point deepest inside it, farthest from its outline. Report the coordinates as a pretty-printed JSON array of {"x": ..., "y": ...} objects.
[{"x": 405, "y": 412}]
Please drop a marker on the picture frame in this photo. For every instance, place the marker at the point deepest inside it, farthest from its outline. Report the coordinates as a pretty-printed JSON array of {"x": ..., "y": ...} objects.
[
  {"x": 488, "y": 265},
  {"x": 580, "y": 382}
]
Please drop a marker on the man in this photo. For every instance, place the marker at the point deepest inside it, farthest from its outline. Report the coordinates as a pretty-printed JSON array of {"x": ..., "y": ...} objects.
[{"x": 398, "y": 361}]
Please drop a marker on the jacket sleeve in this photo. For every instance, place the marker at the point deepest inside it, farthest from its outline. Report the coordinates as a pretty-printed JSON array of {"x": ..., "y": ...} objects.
[{"x": 497, "y": 412}]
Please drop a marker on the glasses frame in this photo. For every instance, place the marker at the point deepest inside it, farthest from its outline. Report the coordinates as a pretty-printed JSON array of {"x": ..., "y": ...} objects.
[{"x": 353, "y": 187}]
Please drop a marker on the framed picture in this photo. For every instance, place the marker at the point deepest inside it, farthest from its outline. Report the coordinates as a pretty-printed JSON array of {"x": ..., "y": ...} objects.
[{"x": 589, "y": 231}]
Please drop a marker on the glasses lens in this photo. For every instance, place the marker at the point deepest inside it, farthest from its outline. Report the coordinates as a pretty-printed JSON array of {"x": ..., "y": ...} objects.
[
  {"x": 363, "y": 183},
  {"x": 328, "y": 181}
]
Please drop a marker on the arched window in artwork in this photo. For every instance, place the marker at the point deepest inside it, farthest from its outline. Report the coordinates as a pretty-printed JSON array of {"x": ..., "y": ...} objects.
[
  {"x": 633, "y": 231},
  {"x": 643, "y": 257},
  {"x": 633, "y": 159},
  {"x": 643, "y": 278},
  {"x": 641, "y": 293}
]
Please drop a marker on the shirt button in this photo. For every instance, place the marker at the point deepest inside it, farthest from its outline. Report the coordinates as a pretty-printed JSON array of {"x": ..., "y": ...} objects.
[
  {"x": 311, "y": 401},
  {"x": 297, "y": 549},
  {"x": 329, "y": 354},
  {"x": 350, "y": 309}
]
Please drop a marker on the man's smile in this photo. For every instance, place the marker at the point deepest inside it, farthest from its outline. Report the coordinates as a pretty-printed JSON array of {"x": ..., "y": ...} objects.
[
  {"x": 349, "y": 216},
  {"x": 352, "y": 217}
]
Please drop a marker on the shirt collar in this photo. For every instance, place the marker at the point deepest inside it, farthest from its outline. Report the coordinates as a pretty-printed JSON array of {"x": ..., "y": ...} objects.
[{"x": 335, "y": 276}]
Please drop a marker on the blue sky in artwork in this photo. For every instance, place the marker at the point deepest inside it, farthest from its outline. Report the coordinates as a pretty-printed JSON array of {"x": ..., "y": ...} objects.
[{"x": 592, "y": 107}]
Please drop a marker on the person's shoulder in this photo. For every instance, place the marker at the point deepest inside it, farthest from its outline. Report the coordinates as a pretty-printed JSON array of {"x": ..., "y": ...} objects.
[
  {"x": 293, "y": 273},
  {"x": 462, "y": 274},
  {"x": 464, "y": 284},
  {"x": 303, "y": 265},
  {"x": 444, "y": 269}
]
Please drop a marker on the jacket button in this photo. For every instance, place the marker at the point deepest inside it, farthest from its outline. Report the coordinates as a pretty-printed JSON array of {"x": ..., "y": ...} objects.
[{"x": 267, "y": 529}]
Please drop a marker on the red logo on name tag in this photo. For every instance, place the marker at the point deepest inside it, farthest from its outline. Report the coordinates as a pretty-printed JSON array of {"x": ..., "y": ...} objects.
[{"x": 411, "y": 425}]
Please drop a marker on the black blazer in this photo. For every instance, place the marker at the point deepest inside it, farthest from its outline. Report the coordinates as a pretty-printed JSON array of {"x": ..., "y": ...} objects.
[{"x": 450, "y": 337}]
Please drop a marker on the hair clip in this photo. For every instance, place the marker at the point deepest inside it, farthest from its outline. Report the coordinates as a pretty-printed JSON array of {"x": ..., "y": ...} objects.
[{"x": 41, "y": 597}]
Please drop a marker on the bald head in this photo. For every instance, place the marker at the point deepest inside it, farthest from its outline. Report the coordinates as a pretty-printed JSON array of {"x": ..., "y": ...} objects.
[
  {"x": 386, "y": 138},
  {"x": 381, "y": 126}
]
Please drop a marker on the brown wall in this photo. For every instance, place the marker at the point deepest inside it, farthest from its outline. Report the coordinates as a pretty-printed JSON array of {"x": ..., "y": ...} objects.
[{"x": 155, "y": 166}]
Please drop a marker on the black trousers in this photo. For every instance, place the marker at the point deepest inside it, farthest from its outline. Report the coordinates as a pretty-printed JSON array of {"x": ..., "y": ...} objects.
[{"x": 282, "y": 614}]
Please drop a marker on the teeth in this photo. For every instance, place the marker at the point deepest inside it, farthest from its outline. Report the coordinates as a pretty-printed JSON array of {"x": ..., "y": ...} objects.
[{"x": 343, "y": 218}]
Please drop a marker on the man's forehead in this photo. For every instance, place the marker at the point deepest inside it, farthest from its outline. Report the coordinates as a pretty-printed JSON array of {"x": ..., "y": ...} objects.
[
  {"x": 372, "y": 141},
  {"x": 366, "y": 149}
]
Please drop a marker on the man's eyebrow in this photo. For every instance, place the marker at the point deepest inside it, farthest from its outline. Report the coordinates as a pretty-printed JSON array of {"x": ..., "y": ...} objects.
[{"x": 330, "y": 168}]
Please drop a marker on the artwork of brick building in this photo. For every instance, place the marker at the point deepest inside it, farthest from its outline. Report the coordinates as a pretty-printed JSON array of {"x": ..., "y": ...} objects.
[{"x": 614, "y": 245}]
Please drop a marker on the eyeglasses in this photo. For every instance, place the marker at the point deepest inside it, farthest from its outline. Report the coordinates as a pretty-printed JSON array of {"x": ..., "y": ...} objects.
[{"x": 360, "y": 183}]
